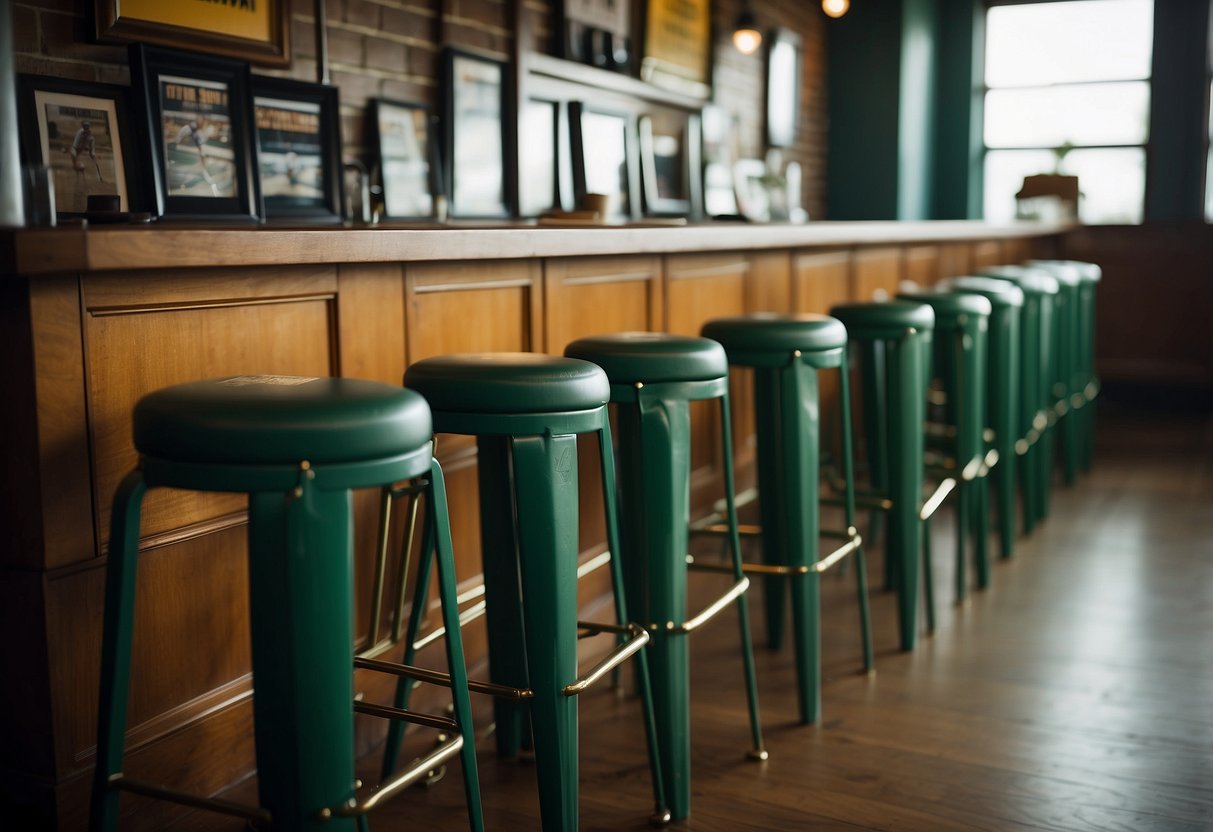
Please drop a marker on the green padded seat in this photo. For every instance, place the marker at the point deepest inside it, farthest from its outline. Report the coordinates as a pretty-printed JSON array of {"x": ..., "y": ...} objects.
[
  {"x": 1033, "y": 280},
  {"x": 892, "y": 314},
  {"x": 508, "y": 382},
  {"x": 651, "y": 357},
  {"x": 947, "y": 303},
  {"x": 768, "y": 332},
  {"x": 1000, "y": 293},
  {"x": 280, "y": 420}
]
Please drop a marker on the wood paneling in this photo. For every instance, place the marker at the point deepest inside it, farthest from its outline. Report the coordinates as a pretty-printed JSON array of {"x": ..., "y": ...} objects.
[
  {"x": 921, "y": 265},
  {"x": 987, "y": 253},
  {"x": 953, "y": 260},
  {"x": 822, "y": 280},
  {"x": 591, "y": 296},
  {"x": 370, "y": 322},
  {"x": 875, "y": 273},
  {"x": 208, "y": 325},
  {"x": 770, "y": 283}
]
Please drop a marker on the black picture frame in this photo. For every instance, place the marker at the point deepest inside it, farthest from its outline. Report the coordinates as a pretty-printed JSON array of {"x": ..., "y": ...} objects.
[
  {"x": 197, "y": 116},
  {"x": 403, "y": 134},
  {"x": 51, "y": 114},
  {"x": 477, "y": 136},
  {"x": 666, "y": 168},
  {"x": 298, "y": 131},
  {"x": 543, "y": 143},
  {"x": 784, "y": 69},
  {"x": 605, "y": 159}
]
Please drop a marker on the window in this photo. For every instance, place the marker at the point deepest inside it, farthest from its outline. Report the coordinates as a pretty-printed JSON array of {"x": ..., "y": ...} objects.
[{"x": 1068, "y": 91}]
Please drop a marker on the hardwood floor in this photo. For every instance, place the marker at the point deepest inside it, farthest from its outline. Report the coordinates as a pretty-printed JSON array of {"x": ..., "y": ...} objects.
[{"x": 1076, "y": 693}]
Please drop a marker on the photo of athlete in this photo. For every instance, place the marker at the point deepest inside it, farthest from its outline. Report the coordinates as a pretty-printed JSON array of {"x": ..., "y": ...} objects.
[
  {"x": 196, "y": 126},
  {"x": 84, "y": 142}
]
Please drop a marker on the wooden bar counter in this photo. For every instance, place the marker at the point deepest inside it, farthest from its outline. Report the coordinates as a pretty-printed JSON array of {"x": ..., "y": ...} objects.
[{"x": 95, "y": 318}]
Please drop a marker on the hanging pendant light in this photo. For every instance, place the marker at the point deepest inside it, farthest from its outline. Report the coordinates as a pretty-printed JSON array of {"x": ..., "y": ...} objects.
[
  {"x": 835, "y": 8},
  {"x": 746, "y": 36}
]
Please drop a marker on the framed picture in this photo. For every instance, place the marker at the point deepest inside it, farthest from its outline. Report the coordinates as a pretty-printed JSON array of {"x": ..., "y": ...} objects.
[
  {"x": 668, "y": 162},
  {"x": 596, "y": 32},
  {"x": 253, "y": 31},
  {"x": 197, "y": 114},
  {"x": 404, "y": 137},
  {"x": 753, "y": 198},
  {"x": 540, "y": 186},
  {"x": 604, "y": 160},
  {"x": 783, "y": 87},
  {"x": 678, "y": 46},
  {"x": 475, "y": 134},
  {"x": 298, "y": 149},
  {"x": 82, "y": 132}
]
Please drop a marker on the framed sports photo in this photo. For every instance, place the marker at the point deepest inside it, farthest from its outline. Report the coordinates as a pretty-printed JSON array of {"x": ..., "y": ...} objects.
[
  {"x": 475, "y": 136},
  {"x": 197, "y": 113},
  {"x": 783, "y": 87},
  {"x": 403, "y": 134},
  {"x": 254, "y": 30},
  {"x": 82, "y": 132},
  {"x": 666, "y": 167},
  {"x": 298, "y": 149}
]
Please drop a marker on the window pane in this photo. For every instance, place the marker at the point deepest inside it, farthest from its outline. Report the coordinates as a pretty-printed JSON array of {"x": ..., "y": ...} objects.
[
  {"x": 1056, "y": 43},
  {"x": 1004, "y": 173},
  {"x": 1111, "y": 181},
  {"x": 1081, "y": 115}
]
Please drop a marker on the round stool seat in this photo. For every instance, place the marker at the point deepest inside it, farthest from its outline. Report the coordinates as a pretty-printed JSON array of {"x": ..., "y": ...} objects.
[
  {"x": 950, "y": 303},
  {"x": 894, "y": 314},
  {"x": 1000, "y": 293},
  {"x": 652, "y": 357},
  {"x": 770, "y": 332},
  {"x": 1032, "y": 281},
  {"x": 508, "y": 382},
  {"x": 259, "y": 420}
]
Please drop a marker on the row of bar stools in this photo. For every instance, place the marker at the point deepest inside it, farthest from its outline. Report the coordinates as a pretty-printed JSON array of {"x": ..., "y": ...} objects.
[
  {"x": 296, "y": 446},
  {"x": 1002, "y": 391},
  {"x": 654, "y": 378},
  {"x": 1037, "y": 346},
  {"x": 526, "y": 411},
  {"x": 786, "y": 354},
  {"x": 959, "y": 361},
  {"x": 893, "y": 340}
]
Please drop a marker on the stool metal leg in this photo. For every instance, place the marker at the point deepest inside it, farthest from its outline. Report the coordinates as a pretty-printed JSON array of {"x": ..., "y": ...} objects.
[
  {"x": 116, "y": 648},
  {"x": 302, "y": 653},
  {"x": 758, "y": 751},
  {"x": 771, "y": 504},
  {"x": 438, "y": 521},
  {"x": 848, "y": 474},
  {"x": 661, "y": 813},
  {"x": 503, "y": 613},
  {"x": 906, "y": 406}
]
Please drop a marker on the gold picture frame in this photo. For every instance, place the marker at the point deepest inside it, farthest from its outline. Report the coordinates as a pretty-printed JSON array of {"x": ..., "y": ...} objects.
[{"x": 255, "y": 32}]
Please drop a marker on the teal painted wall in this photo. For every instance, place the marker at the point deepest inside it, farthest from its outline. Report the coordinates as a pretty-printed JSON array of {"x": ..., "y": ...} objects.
[
  {"x": 863, "y": 70},
  {"x": 958, "y": 149},
  {"x": 916, "y": 127}
]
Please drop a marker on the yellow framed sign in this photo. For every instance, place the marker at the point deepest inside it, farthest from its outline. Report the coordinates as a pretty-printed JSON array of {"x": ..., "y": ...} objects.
[
  {"x": 254, "y": 30},
  {"x": 677, "y": 45}
]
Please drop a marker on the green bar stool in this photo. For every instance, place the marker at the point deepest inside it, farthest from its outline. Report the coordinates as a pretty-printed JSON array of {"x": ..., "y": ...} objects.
[
  {"x": 1038, "y": 344},
  {"x": 787, "y": 352},
  {"x": 526, "y": 411},
  {"x": 961, "y": 331},
  {"x": 654, "y": 378},
  {"x": 297, "y": 446},
  {"x": 1003, "y": 380},
  {"x": 894, "y": 342},
  {"x": 1085, "y": 383}
]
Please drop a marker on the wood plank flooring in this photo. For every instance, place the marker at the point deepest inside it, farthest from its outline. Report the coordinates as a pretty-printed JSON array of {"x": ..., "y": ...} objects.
[{"x": 1076, "y": 693}]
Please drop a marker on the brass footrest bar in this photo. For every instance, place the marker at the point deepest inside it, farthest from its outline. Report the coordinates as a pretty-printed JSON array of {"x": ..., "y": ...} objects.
[
  {"x": 442, "y": 723},
  {"x": 253, "y": 814},
  {"x": 936, "y": 500},
  {"x": 419, "y": 487},
  {"x": 639, "y": 638},
  {"x": 779, "y": 569},
  {"x": 465, "y": 617},
  {"x": 1077, "y": 400},
  {"x": 710, "y": 612},
  {"x": 743, "y": 529},
  {"x": 418, "y": 771},
  {"x": 992, "y": 457},
  {"x": 436, "y": 677},
  {"x": 861, "y": 501}
]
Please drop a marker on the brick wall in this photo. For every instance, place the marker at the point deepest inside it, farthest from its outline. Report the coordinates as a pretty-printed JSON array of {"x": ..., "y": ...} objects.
[{"x": 391, "y": 49}]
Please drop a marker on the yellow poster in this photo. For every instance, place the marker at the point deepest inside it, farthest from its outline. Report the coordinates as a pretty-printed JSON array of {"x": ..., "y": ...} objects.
[
  {"x": 677, "y": 39},
  {"x": 247, "y": 19}
]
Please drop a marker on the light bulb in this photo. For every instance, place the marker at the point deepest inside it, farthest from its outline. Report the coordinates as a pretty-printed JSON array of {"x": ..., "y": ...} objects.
[
  {"x": 747, "y": 41},
  {"x": 835, "y": 8}
]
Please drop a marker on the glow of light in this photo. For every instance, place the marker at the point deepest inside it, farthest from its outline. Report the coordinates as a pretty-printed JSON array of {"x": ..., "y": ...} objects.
[{"x": 835, "y": 8}]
